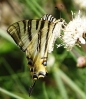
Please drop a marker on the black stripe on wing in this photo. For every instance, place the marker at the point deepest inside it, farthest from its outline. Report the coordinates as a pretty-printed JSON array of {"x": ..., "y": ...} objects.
[
  {"x": 29, "y": 29},
  {"x": 47, "y": 36},
  {"x": 14, "y": 31},
  {"x": 24, "y": 22},
  {"x": 40, "y": 35},
  {"x": 37, "y": 24}
]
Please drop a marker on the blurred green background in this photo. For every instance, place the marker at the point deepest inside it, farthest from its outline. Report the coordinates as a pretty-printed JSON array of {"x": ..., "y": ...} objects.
[{"x": 65, "y": 80}]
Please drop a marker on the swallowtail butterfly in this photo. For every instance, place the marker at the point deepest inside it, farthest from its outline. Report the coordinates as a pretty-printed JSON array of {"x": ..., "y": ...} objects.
[{"x": 36, "y": 38}]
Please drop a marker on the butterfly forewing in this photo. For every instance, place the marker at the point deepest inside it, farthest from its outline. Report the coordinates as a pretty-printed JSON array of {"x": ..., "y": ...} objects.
[
  {"x": 21, "y": 32},
  {"x": 33, "y": 37},
  {"x": 36, "y": 38}
]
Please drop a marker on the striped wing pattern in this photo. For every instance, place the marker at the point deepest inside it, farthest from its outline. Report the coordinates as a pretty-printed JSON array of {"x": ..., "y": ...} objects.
[
  {"x": 34, "y": 37},
  {"x": 48, "y": 17}
]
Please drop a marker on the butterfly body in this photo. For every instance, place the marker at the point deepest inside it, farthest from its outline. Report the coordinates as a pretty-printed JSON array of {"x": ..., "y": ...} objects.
[{"x": 36, "y": 38}]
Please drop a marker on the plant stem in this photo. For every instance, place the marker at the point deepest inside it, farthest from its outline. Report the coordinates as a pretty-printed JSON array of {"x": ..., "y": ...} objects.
[
  {"x": 38, "y": 6},
  {"x": 10, "y": 94},
  {"x": 6, "y": 36},
  {"x": 60, "y": 84},
  {"x": 44, "y": 90},
  {"x": 30, "y": 5},
  {"x": 72, "y": 84}
]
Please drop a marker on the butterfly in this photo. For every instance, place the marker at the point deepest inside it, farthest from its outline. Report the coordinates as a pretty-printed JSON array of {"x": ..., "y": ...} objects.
[{"x": 36, "y": 37}]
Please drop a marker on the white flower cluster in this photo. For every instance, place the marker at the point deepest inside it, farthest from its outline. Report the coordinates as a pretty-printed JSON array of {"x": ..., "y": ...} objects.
[
  {"x": 75, "y": 32},
  {"x": 80, "y": 3}
]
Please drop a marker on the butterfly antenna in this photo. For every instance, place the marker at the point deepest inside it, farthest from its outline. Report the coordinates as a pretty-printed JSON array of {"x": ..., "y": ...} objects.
[{"x": 31, "y": 88}]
